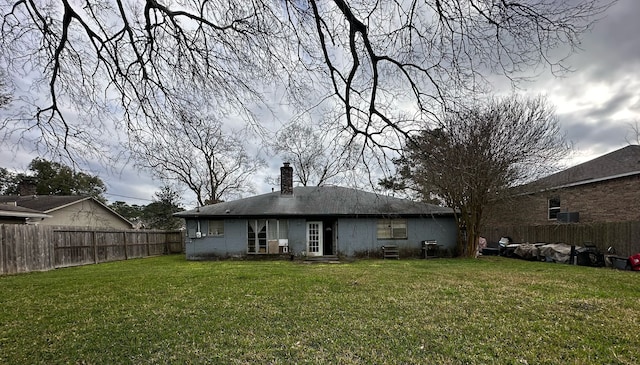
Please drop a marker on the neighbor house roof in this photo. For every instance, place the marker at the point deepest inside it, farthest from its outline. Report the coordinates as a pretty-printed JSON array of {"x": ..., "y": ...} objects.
[
  {"x": 318, "y": 201},
  {"x": 7, "y": 210},
  {"x": 51, "y": 203},
  {"x": 43, "y": 203},
  {"x": 616, "y": 164}
]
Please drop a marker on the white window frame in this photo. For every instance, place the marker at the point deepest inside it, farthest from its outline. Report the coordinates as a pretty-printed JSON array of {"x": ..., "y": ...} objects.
[
  {"x": 552, "y": 211},
  {"x": 216, "y": 228}
]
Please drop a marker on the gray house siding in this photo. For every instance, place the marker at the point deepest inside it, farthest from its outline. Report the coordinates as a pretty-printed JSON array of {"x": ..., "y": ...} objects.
[
  {"x": 352, "y": 236},
  {"x": 297, "y": 235},
  {"x": 357, "y": 236},
  {"x": 232, "y": 243}
]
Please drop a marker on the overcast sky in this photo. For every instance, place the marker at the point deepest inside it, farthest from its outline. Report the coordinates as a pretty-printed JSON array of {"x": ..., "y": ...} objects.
[{"x": 595, "y": 104}]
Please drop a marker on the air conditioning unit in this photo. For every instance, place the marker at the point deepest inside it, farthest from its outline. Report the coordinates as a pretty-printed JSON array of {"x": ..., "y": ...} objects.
[{"x": 568, "y": 217}]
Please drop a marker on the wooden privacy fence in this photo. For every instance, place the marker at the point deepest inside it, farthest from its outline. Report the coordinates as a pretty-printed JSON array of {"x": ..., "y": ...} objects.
[
  {"x": 25, "y": 248},
  {"x": 623, "y": 236}
]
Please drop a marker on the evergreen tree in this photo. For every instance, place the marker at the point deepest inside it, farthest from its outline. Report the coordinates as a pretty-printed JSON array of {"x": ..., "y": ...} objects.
[{"x": 159, "y": 214}]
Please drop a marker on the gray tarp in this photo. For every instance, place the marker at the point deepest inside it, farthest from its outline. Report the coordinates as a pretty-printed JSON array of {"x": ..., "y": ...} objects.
[
  {"x": 558, "y": 252},
  {"x": 526, "y": 251}
]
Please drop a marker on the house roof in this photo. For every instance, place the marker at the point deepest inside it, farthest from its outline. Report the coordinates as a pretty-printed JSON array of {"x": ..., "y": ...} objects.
[
  {"x": 619, "y": 163},
  {"x": 317, "y": 201},
  {"x": 7, "y": 210},
  {"x": 51, "y": 203},
  {"x": 43, "y": 203}
]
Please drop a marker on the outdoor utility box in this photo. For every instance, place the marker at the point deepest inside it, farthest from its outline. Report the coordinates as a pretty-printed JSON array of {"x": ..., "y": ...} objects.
[{"x": 568, "y": 217}]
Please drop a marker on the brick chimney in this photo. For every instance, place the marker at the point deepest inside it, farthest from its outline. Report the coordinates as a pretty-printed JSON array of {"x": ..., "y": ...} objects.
[{"x": 286, "y": 179}]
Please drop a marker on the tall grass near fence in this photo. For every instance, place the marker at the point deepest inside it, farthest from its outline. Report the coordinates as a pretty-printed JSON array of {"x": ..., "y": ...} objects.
[
  {"x": 26, "y": 248},
  {"x": 623, "y": 236}
]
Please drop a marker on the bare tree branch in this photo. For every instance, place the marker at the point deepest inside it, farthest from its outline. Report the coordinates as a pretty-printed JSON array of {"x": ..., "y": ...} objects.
[
  {"x": 196, "y": 153},
  {"x": 319, "y": 156},
  {"x": 392, "y": 66}
]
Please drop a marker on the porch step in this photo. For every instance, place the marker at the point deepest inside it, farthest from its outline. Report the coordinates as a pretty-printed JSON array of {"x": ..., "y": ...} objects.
[{"x": 332, "y": 259}]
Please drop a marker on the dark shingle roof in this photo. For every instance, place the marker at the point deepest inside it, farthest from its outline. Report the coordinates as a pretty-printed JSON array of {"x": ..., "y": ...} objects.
[
  {"x": 621, "y": 162},
  {"x": 43, "y": 203},
  {"x": 318, "y": 201}
]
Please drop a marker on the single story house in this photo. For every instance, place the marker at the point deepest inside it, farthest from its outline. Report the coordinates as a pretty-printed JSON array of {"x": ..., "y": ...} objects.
[
  {"x": 67, "y": 210},
  {"x": 315, "y": 221}
]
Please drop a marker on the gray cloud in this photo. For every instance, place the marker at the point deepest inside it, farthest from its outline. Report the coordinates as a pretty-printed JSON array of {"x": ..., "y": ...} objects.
[
  {"x": 599, "y": 135},
  {"x": 611, "y": 104},
  {"x": 595, "y": 102}
]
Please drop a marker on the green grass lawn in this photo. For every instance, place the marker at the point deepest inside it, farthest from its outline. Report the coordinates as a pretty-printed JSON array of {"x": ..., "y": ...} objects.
[{"x": 443, "y": 311}]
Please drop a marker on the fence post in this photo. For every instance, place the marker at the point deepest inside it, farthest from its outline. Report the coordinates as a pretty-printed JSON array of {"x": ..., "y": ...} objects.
[
  {"x": 166, "y": 243},
  {"x": 95, "y": 247},
  {"x": 147, "y": 239},
  {"x": 3, "y": 254},
  {"x": 126, "y": 253}
]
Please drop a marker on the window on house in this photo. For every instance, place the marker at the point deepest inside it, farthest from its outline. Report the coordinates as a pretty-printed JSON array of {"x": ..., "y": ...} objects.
[
  {"x": 554, "y": 207},
  {"x": 216, "y": 228},
  {"x": 392, "y": 229},
  {"x": 263, "y": 235}
]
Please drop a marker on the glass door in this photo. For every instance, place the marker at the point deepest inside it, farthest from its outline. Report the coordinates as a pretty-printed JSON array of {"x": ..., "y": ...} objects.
[{"x": 314, "y": 238}]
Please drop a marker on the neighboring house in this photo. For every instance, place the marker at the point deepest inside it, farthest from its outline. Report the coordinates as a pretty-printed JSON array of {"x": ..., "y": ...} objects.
[
  {"x": 605, "y": 189},
  {"x": 12, "y": 214},
  {"x": 315, "y": 221},
  {"x": 77, "y": 211}
]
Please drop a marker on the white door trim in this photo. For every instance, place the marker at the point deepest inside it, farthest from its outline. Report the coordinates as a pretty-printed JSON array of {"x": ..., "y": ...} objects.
[{"x": 314, "y": 238}]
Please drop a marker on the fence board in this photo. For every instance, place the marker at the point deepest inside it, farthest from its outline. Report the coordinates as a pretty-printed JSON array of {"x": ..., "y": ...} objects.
[
  {"x": 25, "y": 248},
  {"x": 623, "y": 236},
  {"x": 32, "y": 254}
]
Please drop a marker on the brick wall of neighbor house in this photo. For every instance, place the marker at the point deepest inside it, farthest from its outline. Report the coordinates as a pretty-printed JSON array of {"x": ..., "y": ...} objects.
[{"x": 615, "y": 200}]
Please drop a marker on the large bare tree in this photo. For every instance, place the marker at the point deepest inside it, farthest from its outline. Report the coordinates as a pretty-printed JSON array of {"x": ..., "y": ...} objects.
[
  {"x": 633, "y": 133},
  {"x": 319, "y": 154},
  {"x": 196, "y": 152},
  {"x": 387, "y": 64},
  {"x": 477, "y": 154}
]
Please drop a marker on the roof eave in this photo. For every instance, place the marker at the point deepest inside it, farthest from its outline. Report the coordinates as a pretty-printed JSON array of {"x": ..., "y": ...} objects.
[
  {"x": 579, "y": 183},
  {"x": 23, "y": 214},
  {"x": 286, "y": 215},
  {"x": 81, "y": 199}
]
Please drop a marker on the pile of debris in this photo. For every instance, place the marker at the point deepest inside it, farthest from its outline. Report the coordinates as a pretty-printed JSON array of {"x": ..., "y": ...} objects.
[{"x": 587, "y": 255}]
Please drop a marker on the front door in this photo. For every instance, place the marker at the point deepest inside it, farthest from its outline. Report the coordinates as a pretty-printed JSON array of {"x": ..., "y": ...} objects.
[
  {"x": 314, "y": 238},
  {"x": 329, "y": 234}
]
